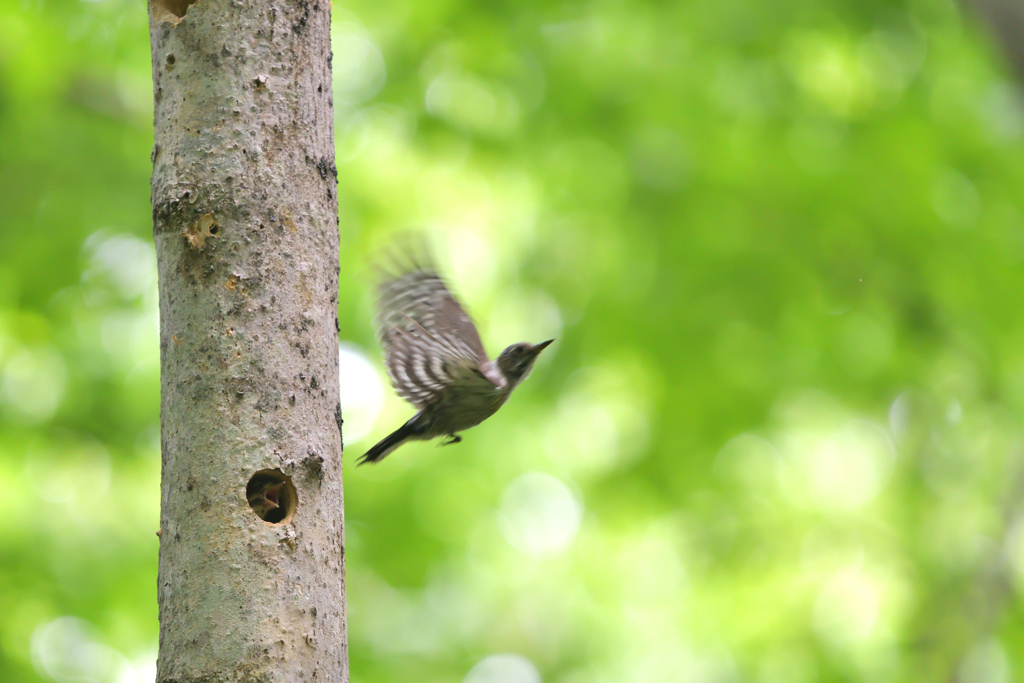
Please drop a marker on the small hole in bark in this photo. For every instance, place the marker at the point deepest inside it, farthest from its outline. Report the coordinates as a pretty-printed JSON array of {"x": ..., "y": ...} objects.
[
  {"x": 170, "y": 60},
  {"x": 214, "y": 229},
  {"x": 272, "y": 496}
]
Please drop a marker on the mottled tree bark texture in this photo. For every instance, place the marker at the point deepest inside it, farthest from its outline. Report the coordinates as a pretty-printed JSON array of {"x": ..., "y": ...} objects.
[{"x": 251, "y": 582}]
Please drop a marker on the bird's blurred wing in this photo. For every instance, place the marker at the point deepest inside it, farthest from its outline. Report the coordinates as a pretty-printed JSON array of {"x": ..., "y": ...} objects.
[
  {"x": 422, "y": 367},
  {"x": 428, "y": 339}
]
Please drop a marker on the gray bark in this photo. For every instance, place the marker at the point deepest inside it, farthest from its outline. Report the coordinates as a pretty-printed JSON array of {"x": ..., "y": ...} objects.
[{"x": 245, "y": 222}]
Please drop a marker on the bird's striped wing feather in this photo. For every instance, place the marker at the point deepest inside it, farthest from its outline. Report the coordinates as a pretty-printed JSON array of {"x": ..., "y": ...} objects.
[{"x": 428, "y": 339}]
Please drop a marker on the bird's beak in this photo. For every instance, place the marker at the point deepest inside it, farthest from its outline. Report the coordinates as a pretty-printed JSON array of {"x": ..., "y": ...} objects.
[
  {"x": 273, "y": 495},
  {"x": 540, "y": 347}
]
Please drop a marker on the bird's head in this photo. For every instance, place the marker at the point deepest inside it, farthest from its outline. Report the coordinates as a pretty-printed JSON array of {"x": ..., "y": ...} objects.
[{"x": 516, "y": 361}]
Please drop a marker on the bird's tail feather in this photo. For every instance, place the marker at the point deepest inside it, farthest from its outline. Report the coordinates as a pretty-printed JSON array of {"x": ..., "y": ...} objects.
[{"x": 389, "y": 443}]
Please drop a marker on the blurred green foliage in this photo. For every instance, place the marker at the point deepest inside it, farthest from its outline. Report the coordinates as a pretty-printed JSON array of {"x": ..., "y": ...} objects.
[{"x": 778, "y": 440}]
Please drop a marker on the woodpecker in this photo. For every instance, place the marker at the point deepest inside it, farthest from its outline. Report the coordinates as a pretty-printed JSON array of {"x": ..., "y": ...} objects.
[{"x": 436, "y": 360}]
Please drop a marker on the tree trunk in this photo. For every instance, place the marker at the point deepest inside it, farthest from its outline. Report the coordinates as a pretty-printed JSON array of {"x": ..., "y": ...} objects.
[{"x": 251, "y": 583}]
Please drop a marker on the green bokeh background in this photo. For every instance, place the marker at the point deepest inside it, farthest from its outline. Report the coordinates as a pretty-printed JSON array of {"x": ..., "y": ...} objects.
[{"x": 778, "y": 440}]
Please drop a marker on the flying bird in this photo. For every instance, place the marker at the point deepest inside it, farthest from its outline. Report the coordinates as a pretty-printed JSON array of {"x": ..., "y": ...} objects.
[{"x": 436, "y": 360}]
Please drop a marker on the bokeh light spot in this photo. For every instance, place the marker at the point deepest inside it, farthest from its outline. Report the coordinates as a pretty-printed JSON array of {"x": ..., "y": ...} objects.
[
  {"x": 67, "y": 650},
  {"x": 359, "y": 69},
  {"x": 125, "y": 262},
  {"x": 602, "y": 419},
  {"x": 837, "y": 467},
  {"x": 503, "y": 668},
  {"x": 539, "y": 515},
  {"x": 847, "y": 608},
  {"x": 32, "y": 383},
  {"x": 362, "y": 392},
  {"x": 473, "y": 104}
]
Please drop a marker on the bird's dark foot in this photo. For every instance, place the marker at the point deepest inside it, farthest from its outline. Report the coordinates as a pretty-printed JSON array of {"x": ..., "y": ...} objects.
[{"x": 450, "y": 439}]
